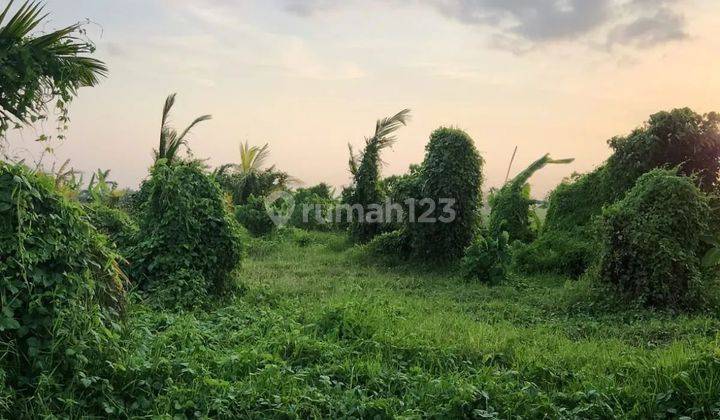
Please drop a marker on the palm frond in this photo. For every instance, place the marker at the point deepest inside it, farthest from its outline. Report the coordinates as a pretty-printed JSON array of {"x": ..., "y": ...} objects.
[
  {"x": 252, "y": 158},
  {"x": 386, "y": 126},
  {"x": 170, "y": 141},
  {"x": 181, "y": 137},
  {"x": 521, "y": 179}
]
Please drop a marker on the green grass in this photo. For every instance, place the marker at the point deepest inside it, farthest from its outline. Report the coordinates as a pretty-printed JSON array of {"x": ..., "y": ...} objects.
[{"x": 320, "y": 331}]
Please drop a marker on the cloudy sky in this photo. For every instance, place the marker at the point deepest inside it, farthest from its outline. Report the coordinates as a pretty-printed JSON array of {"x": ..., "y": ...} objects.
[{"x": 309, "y": 76}]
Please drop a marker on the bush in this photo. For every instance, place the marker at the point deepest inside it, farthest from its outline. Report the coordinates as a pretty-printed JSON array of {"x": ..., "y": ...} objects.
[
  {"x": 390, "y": 245},
  {"x": 678, "y": 138},
  {"x": 399, "y": 189},
  {"x": 452, "y": 169},
  {"x": 487, "y": 258},
  {"x": 567, "y": 253},
  {"x": 60, "y": 286},
  {"x": 254, "y": 217},
  {"x": 116, "y": 224},
  {"x": 319, "y": 195},
  {"x": 652, "y": 241},
  {"x": 575, "y": 201},
  {"x": 186, "y": 225}
]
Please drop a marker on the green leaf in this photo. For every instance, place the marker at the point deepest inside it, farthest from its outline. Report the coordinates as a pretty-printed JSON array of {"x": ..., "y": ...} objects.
[{"x": 712, "y": 258}]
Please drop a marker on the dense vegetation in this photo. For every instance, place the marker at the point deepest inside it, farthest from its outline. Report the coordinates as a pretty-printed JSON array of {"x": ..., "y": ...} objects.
[
  {"x": 679, "y": 139},
  {"x": 652, "y": 241},
  {"x": 118, "y": 303},
  {"x": 61, "y": 291},
  {"x": 186, "y": 225}
]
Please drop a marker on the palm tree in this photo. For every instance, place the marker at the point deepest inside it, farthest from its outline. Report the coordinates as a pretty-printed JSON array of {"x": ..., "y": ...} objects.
[
  {"x": 366, "y": 173},
  {"x": 170, "y": 140},
  {"x": 252, "y": 158},
  {"x": 34, "y": 70},
  {"x": 511, "y": 204},
  {"x": 250, "y": 177}
]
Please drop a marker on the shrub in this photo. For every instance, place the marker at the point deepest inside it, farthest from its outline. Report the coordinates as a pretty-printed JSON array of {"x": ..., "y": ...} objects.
[
  {"x": 119, "y": 227},
  {"x": 567, "y": 253},
  {"x": 575, "y": 201},
  {"x": 254, "y": 217},
  {"x": 60, "y": 286},
  {"x": 400, "y": 189},
  {"x": 186, "y": 224},
  {"x": 390, "y": 245},
  {"x": 319, "y": 196},
  {"x": 452, "y": 169},
  {"x": 487, "y": 258},
  {"x": 652, "y": 240},
  {"x": 678, "y": 138}
]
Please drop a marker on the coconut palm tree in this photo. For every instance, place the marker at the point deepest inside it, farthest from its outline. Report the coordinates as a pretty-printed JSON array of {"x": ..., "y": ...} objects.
[
  {"x": 250, "y": 177},
  {"x": 37, "y": 69},
  {"x": 170, "y": 140},
  {"x": 365, "y": 169},
  {"x": 252, "y": 158}
]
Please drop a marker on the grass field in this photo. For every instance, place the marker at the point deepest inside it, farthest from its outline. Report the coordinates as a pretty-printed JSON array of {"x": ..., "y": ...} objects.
[{"x": 320, "y": 331}]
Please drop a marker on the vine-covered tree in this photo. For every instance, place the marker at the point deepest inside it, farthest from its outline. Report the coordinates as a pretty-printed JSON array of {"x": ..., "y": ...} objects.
[
  {"x": 451, "y": 180},
  {"x": 510, "y": 205},
  {"x": 366, "y": 189},
  {"x": 37, "y": 69}
]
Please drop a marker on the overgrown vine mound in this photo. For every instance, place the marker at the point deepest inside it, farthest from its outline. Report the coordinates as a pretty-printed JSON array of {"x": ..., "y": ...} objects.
[
  {"x": 186, "y": 228},
  {"x": 60, "y": 288},
  {"x": 652, "y": 241}
]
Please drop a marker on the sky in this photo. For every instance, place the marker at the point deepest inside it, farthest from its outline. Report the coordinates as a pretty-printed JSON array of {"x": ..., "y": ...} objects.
[{"x": 309, "y": 77}]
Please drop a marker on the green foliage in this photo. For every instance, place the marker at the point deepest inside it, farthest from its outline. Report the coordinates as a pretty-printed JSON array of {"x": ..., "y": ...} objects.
[
  {"x": 652, "y": 241},
  {"x": 36, "y": 69},
  {"x": 712, "y": 256},
  {"x": 170, "y": 140},
  {"x": 119, "y": 227},
  {"x": 452, "y": 169},
  {"x": 319, "y": 197},
  {"x": 575, "y": 201},
  {"x": 393, "y": 245},
  {"x": 367, "y": 189},
  {"x": 254, "y": 217},
  {"x": 60, "y": 286},
  {"x": 487, "y": 258},
  {"x": 181, "y": 290},
  {"x": 567, "y": 253},
  {"x": 186, "y": 224},
  {"x": 249, "y": 178},
  {"x": 676, "y": 139},
  {"x": 319, "y": 334},
  {"x": 401, "y": 188},
  {"x": 510, "y": 206}
]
